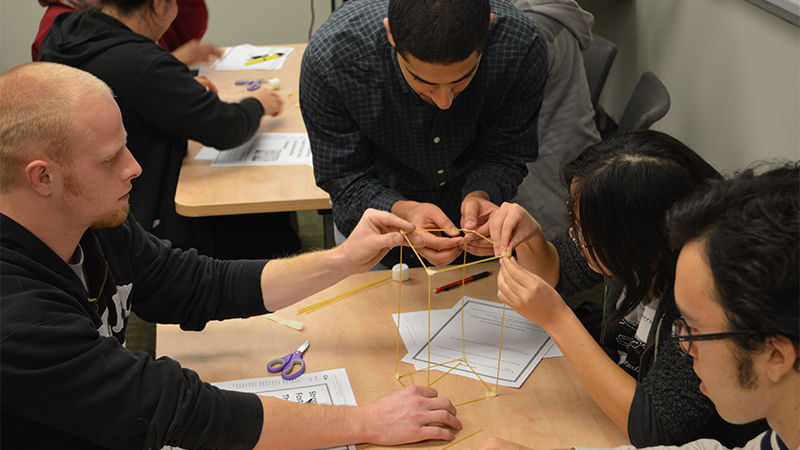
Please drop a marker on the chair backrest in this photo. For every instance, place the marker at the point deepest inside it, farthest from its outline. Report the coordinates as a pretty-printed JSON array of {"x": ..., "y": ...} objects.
[
  {"x": 648, "y": 104},
  {"x": 597, "y": 61}
]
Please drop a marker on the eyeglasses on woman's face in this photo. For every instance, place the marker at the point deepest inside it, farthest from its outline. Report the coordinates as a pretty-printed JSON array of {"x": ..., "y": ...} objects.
[{"x": 683, "y": 337}]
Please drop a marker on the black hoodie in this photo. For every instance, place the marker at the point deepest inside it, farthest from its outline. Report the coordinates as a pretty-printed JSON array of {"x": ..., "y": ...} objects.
[
  {"x": 162, "y": 107},
  {"x": 68, "y": 381}
]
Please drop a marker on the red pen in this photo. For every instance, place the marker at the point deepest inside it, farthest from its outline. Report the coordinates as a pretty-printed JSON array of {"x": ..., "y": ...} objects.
[{"x": 477, "y": 276}]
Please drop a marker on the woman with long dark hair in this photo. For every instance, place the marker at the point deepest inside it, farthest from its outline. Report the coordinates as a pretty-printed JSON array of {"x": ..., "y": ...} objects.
[{"x": 619, "y": 192}]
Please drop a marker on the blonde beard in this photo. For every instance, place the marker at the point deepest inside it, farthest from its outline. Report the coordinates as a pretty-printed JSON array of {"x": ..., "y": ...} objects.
[{"x": 114, "y": 218}]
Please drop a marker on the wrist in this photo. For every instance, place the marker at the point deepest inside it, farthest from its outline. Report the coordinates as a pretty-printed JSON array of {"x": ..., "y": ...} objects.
[
  {"x": 480, "y": 194},
  {"x": 400, "y": 208}
]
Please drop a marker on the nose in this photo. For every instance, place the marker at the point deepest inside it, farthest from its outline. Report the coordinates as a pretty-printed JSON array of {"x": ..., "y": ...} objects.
[
  {"x": 132, "y": 167},
  {"x": 442, "y": 96}
]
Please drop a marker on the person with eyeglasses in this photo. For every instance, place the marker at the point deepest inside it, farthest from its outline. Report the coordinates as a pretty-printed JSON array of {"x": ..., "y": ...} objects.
[
  {"x": 619, "y": 192},
  {"x": 737, "y": 290}
]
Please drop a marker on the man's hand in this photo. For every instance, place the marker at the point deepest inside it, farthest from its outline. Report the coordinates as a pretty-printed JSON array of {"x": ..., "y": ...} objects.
[
  {"x": 493, "y": 443},
  {"x": 412, "y": 414},
  {"x": 375, "y": 234},
  {"x": 194, "y": 52},
  {"x": 475, "y": 212},
  {"x": 438, "y": 250},
  {"x": 510, "y": 226},
  {"x": 285, "y": 281}
]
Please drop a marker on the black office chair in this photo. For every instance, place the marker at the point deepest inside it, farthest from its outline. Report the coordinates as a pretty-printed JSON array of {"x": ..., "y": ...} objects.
[
  {"x": 597, "y": 60},
  {"x": 648, "y": 104}
]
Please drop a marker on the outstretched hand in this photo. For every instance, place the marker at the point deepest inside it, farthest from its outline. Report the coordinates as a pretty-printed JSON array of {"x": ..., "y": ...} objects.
[
  {"x": 375, "y": 234},
  {"x": 412, "y": 414}
]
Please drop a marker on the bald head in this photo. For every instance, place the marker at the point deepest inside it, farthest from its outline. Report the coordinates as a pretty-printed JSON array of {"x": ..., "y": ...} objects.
[{"x": 37, "y": 106}]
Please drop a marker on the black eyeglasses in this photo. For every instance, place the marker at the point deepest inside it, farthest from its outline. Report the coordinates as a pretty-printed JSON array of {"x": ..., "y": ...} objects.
[
  {"x": 577, "y": 237},
  {"x": 683, "y": 338}
]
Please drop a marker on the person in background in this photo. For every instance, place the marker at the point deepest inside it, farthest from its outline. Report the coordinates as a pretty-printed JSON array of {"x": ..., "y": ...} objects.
[
  {"x": 426, "y": 108},
  {"x": 620, "y": 190},
  {"x": 566, "y": 121},
  {"x": 736, "y": 288},
  {"x": 74, "y": 264},
  {"x": 163, "y": 107},
  {"x": 182, "y": 39}
]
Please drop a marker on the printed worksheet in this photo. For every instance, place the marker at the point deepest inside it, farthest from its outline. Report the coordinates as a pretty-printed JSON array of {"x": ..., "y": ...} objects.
[
  {"x": 524, "y": 342},
  {"x": 331, "y": 387},
  {"x": 264, "y": 149}
]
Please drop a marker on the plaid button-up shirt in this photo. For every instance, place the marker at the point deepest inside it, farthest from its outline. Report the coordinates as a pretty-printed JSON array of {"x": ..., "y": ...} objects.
[{"x": 375, "y": 141}]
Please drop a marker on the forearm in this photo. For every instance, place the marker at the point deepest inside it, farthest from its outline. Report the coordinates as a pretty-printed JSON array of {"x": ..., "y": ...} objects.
[
  {"x": 540, "y": 256},
  {"x": 333, "y": 425},
  {"x": 610, "y": 386},
  {"x": 289, "y": 280}
]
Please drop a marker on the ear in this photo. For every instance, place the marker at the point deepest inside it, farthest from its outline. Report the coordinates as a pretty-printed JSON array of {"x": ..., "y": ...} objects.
[
  {"x": 160, "y": 6},
  {"x": 491, "y": 17},
  {"x": 38, "y": 174},
  {"x": 388, "y": 31},
  {"x": 782, "y": 354}
]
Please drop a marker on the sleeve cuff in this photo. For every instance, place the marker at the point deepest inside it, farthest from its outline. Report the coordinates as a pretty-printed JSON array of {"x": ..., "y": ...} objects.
[{"x": 246, "y": 421}]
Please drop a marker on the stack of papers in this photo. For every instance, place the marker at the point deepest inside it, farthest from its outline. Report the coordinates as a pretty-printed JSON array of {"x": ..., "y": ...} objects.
[
  {"x": 524, "y": 342},
  {"x": 235, "y": 58}
]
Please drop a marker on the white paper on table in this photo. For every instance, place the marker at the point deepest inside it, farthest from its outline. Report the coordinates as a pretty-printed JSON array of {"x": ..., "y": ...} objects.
[
  {"x": 264, "y": 149},
  {"x": 330, "y": 387},
  {"x": 414, "y": 329},
  {"x": 524, "y": 343},
  {"x": 235, "y": 57}
]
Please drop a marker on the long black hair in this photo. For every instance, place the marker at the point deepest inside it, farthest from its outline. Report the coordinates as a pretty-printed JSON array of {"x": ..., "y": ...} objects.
[{"x": 621, "y": 189}]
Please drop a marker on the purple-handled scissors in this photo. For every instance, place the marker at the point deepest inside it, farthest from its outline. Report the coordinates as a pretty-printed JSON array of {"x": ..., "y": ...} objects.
[
  {"x": 286, "y": 364},
  {"x": 252, "y": 85}
]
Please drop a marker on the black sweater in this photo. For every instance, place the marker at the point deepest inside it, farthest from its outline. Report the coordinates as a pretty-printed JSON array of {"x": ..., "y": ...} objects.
[
  {"x": 68, "y": 381},
  {"x": 162, "y": 107}
]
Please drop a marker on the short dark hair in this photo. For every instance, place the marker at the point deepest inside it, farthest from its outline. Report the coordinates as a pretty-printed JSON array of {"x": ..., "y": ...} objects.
[
  {"x": 749, "y": 227},
  {"x": 128, "y": 6},
  {"x": 622, "y": 188},
  {"x": 439, "y": 31}
]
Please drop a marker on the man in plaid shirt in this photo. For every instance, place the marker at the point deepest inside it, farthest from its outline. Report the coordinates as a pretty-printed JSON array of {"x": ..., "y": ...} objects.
[{"x": 425, "y": 108}]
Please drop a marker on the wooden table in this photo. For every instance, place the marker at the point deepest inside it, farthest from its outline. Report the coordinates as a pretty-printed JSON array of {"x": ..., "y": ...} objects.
[
  {"x": 551, "y": 410},
  {"x": 206, "y": 190}
]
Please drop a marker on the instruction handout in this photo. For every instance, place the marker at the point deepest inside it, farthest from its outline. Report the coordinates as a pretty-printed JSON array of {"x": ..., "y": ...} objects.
[
  {"x": 264, "y": 149},
  {"x": 330, "y": 387},
  {"x": 524, "y": 342}
]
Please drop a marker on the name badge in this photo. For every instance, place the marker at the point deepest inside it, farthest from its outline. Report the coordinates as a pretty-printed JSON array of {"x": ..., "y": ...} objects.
[{"x": 645, "y": 323}]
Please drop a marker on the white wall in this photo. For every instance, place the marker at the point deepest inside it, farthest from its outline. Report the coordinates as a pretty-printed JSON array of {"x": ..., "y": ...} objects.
[
  {"x": 732, "y": 69},
  {"x": 234, "y": 22},
  {"x": 230, "y": 22}
]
